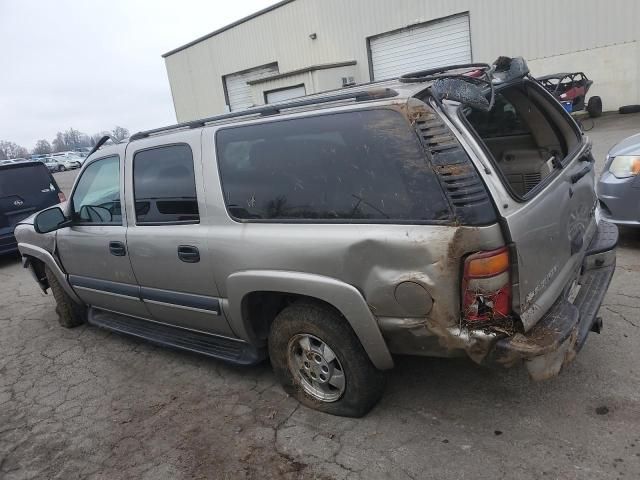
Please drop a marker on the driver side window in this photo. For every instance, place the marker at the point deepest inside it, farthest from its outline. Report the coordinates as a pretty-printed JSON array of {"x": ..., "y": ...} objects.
[{"x": 96, "y": 199}]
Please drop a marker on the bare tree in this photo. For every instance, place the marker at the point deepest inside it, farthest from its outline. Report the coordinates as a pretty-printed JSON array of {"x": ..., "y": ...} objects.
[
  {"x": 120, "y": 133},
  {"x": 12, "y": 150},
  {"x": 59, "y": 143},
  {"x": 42, "y": 147},
  {"x": 72, "y": 138}
]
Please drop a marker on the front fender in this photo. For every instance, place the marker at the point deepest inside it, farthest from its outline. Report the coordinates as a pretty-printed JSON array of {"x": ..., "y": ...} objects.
[
  {"x": 29, "y": 250},
  {"x": 346, "y": 298}
]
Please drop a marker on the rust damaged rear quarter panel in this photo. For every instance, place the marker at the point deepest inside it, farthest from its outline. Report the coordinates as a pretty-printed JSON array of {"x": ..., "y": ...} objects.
[
  {"x": 439, "y": 332},
  {"x": 431, "y": 258}
]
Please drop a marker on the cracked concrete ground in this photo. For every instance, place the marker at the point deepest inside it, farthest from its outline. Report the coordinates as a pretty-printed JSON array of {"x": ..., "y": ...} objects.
[{"x": 85, "y": 403}]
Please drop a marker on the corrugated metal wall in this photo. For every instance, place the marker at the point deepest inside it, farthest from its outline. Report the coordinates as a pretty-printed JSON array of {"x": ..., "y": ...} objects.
[{"x": 534, "y": 29}]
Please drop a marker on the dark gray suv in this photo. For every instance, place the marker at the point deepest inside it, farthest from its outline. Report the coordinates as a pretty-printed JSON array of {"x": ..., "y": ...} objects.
[{"x": 448, "y": 212}]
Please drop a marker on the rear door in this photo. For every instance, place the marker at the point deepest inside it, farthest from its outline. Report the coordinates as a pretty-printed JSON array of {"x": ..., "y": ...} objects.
[
  {"x": 25, "y": 188},
  {"x": 168, "y": 233},
  {"x": 549, "y": 209}
]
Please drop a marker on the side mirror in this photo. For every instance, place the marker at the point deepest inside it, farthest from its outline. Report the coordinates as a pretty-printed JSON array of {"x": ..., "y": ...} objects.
[{"x": 50, "y": 220}]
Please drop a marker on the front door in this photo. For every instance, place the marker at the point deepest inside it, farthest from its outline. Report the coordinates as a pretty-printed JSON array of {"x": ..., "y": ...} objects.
[
  {"x": 167, "y": 239},
  {"x": 93, "y": 251}
]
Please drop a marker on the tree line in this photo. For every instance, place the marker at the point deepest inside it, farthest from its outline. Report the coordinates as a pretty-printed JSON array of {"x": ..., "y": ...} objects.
[{"x": 68, "y": 140}]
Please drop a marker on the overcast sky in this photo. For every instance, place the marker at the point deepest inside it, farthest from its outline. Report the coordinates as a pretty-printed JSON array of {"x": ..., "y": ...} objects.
[{"x": 92, "y": 65}]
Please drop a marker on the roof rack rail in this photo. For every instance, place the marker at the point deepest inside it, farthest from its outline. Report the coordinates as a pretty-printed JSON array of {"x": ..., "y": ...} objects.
[
  {"x": 439, "y": 72},
  {"x": 358, "y": 96}
]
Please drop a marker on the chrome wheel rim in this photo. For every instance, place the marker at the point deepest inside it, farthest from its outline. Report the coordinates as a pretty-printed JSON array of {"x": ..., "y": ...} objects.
[{"x": 316, "y": 368}]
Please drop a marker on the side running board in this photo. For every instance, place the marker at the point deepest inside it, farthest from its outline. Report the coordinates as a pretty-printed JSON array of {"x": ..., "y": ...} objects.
[{"x": 230, "y": 350}]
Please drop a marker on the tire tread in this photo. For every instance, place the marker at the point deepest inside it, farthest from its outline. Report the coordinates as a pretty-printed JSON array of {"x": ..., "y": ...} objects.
[
  {"x": 365, "y": 383},
  {"x": 70, "y": 314}
]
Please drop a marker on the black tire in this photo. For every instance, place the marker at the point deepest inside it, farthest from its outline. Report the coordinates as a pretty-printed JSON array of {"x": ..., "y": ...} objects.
[
  {"x": 364, "y": 384},
  {"x": 629, "y": 109},
  {"x": 594, "y": 107},
  {"x": 70, "y": 314}
]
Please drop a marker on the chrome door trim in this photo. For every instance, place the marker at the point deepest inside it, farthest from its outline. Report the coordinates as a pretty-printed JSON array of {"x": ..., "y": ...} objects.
[
  {"x": 119, "y": 295},
  {"x": 175, "y": 305}
]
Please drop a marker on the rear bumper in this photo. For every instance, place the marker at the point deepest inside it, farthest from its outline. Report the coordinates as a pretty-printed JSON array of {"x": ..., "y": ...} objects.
[{"x": 560, "y": 334}]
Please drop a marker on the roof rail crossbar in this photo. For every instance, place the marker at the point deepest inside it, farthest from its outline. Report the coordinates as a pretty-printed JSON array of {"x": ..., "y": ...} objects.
[{"x": 358, "y": 96}]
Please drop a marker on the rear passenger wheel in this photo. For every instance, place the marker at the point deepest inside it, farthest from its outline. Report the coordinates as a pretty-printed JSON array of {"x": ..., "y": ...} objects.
[
  {"x": 319, "y": 360},
  {"x": 70, "y": 314}
]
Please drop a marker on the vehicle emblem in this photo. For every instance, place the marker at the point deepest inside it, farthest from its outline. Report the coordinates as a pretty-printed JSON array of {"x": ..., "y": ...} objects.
[{"x": 18, "y": 203}]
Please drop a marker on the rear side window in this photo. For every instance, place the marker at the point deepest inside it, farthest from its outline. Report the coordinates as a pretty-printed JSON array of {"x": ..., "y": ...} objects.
[
  {"x": 164, "y": 186},
  {"x": 365, "y": 166}
]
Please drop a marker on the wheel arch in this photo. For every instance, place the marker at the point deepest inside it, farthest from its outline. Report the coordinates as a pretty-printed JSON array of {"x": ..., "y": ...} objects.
[
  {"x": 32, "y": 253},
  {"x": 345, "y": 298}
]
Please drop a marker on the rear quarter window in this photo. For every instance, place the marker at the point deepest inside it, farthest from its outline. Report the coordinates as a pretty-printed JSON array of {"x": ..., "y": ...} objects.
[{"x": 364, "y": 166}]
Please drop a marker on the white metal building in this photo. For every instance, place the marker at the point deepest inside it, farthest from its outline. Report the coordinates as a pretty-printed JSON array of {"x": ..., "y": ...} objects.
[{"x": 298, "y": 47}]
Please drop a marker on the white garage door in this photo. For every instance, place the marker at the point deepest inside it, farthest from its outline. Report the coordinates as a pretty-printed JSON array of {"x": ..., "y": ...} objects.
[
  {"x": 444, "y": 42},
  {"x": 239, "y": 92},
  {"x": 285, "y": 94}
]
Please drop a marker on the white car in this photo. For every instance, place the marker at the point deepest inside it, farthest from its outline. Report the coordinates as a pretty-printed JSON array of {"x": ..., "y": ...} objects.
[
  {"x": 53, "y": 164},
  {"x": 69, "y": 160}
]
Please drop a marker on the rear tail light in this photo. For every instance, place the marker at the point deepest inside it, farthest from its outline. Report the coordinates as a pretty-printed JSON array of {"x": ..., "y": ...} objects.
[
  {"x": 62, "y": 197},
  {"x": 486, "y": 286}
]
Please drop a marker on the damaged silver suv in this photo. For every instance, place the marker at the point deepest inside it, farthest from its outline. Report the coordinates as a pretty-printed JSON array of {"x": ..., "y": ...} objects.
[{"x": 447, "y": 212}]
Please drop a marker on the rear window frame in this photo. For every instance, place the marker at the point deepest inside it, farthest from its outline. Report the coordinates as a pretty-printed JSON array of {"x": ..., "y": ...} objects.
[
  {"x": 565, "y": 161},
  {"x": 333, "y": 221}
]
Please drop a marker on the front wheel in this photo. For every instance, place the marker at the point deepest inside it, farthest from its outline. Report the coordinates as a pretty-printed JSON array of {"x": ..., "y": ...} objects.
[
  {"x": 319, "y": 360},
  {"x": 70, "y": 314}
]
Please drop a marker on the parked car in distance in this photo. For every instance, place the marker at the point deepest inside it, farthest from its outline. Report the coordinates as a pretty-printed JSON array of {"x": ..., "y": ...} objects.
[
  {"x": 69, "y": 160},
  {"x": 619, "y": 184},
  {"x": 450, "y": 212},
  {"x": 25, "y": 188},
  {"x": 52, "y": 164}
]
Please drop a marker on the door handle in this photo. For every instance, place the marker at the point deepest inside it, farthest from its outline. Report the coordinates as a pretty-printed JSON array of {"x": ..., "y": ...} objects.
[
  {"x": 117, "y": 248},
  {"x": 188, "y": 254}
]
